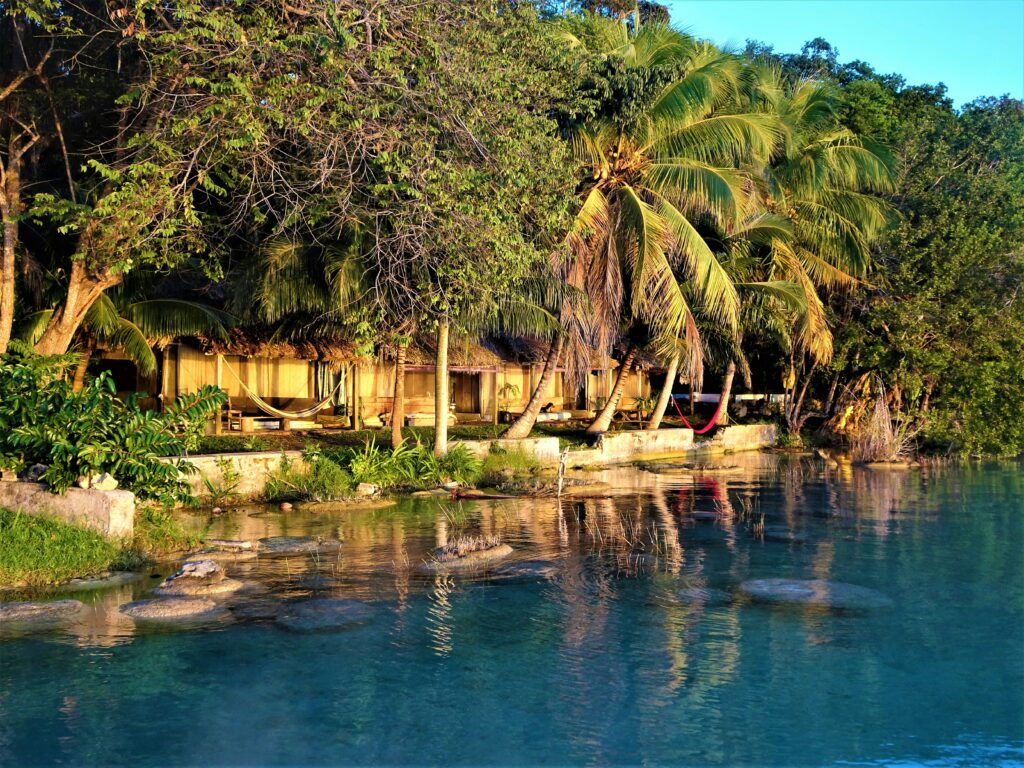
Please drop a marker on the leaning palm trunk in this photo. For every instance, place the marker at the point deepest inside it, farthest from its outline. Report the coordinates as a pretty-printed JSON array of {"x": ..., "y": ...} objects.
[
  {"x": 522, "y": 426},
  {"x": 398, "y": 406},
  {"x": 723, "y": 410},
  {"x": 441, "y": 391},
  {"x": 604, "y": 419},
  {"x": 663, "y": 397},
  {"x": 84, "y": 356}
]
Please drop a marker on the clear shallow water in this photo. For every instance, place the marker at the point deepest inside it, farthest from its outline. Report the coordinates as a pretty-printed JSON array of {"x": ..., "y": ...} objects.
[{"x": 598, "y": 661}]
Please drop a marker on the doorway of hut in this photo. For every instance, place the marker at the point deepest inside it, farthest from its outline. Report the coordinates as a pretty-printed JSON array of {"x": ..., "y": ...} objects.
[{"x": 466, "y": 392}]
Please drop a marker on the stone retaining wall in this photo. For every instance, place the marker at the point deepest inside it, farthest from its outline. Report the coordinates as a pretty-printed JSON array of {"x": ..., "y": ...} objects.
[
  {"x": 254, "y": 468},
  {"x": 111, "y": 513}
]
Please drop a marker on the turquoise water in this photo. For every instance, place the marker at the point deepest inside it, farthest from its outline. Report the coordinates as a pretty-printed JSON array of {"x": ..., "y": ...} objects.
[{"x": 594, "y": 659}]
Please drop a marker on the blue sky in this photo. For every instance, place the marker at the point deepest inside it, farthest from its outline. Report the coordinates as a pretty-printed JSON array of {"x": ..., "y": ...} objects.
[{"x": 975, "y": 47}]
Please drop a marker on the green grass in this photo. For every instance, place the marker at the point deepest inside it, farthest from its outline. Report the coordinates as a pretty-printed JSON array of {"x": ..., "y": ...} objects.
[
  {"x": 501, "y": 466},
  {"x": 40, "y": 551}
]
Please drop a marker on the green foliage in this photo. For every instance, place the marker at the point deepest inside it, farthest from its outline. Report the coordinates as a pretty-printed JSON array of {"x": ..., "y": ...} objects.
[
  {"x": 409, "y": 466},
  {"x": 85, "y": 433},
  {"x": 232, "y": 444},
  {"x": 501, "y": 466},
  {"x": 222, "y": 491},
  {"x": 319, "y": 480}
]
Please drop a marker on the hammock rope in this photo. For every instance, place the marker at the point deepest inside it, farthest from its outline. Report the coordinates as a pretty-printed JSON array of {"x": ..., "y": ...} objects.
[
  {"x": 270, "y": 410},
  {"x": 707, "y": 427}
]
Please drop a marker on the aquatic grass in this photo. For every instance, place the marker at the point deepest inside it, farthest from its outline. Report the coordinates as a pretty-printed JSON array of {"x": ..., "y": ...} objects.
[{"x": 461, "y": 546}]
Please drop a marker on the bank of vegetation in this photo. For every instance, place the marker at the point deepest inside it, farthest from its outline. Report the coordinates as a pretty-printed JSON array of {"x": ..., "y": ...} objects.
[{"x": 589, "y": 177}]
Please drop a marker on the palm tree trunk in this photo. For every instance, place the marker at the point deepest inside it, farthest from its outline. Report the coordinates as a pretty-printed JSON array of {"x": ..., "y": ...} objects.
[
  {"x": 604, "y": 419},
  {"x": 522, "y": 426},
  {"x": 398, "y": 406},
  {"x": 663, "y": 397},
  {"x": 83, "y": 365},
  {"x": 441, "y": 390},
  {"x": 723, "y": 411},
  {"x": 10, "y": 205}
]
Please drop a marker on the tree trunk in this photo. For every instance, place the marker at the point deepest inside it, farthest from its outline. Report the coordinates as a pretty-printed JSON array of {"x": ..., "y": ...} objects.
[
  {"x": 398, "y": 406},
  {"x": 441, "y": 390},
  {"x": 604, "y": 419},
  {"x": 83, "y": 291},
  {"x": 83, "y": 364},
  {"x": 522, "y": 426},
  {"x": 723, "y": 411},
  {"x": 663, "y": 397},
  {"x": 10, "y": 209}
]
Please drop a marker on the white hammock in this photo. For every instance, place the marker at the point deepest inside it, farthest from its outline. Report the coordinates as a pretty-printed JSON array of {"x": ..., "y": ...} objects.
[{"x": 270, "y": 410}]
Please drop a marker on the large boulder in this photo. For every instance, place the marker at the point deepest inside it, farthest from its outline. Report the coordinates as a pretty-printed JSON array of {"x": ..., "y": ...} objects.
[
  {"x": 198, "y": 577},
  {"x": 324, "y": 615},
  {"x": 815, "y": 592}
]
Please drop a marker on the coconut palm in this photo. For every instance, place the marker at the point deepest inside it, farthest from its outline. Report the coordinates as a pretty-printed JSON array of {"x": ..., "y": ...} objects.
[{"x": 662, "y": 162}]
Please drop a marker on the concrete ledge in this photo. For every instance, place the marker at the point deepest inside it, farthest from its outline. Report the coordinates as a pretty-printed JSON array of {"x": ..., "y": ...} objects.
[
  {"x": 742, "y": 437},
  {"x": 111, "y": 513},
  {"x": 544, "y": 449}
]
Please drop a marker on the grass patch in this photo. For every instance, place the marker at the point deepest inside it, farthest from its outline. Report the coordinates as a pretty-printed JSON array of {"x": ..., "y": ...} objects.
[
  {"x": 320, "y": 480},
  {"x": 36, "y": 550}
]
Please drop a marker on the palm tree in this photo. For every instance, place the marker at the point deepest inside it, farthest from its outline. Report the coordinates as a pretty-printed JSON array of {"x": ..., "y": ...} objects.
[
  {"x": 664, "y": 161},
  {"x": 123, "y": 318}
]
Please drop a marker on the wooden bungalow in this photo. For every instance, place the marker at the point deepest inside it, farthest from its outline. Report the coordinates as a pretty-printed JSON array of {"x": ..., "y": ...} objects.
[{"x": 309, "y": 385}]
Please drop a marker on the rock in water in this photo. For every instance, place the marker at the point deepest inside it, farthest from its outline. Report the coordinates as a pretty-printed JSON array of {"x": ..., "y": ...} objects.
[
  {"x": 324, "y": 614},
  {"x": 296, "y": 545},
  {"x": 198, "y": 577},
  {"x": 467, "y": 553},
  {"x": 367, "y": 489},
  {"x": 828, "y": 594},
  {"x": 172, "y": 608},
  {"x": 52, "y": 610}
]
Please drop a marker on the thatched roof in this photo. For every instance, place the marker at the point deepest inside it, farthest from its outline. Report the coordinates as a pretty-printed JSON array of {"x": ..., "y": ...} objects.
[{"x": 259, "y": 342}]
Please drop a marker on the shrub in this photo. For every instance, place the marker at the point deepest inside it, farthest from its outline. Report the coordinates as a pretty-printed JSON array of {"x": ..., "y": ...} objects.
[
  {"x": 502, "y": 465},
  {"x": 320, "y": 480},
  {"x": 85, "y": 433}
]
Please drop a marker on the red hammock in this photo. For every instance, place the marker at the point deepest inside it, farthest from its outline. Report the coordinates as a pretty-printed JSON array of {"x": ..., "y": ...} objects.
[{"x": 707, "y": 427}]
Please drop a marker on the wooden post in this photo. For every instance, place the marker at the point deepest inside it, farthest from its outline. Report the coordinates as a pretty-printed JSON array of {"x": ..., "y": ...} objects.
[
  {"x": 494, "y": 396},
  {"x": 218, "y": 426}
]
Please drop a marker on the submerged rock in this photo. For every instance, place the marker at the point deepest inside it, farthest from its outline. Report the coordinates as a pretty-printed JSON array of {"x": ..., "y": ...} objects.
[
  {"x": 704, "y": 596},
  {"x": 782, "y": 533},
  {"x": 324, "y": 614},
  {"x": 51, "y": 610},
  {"x": 172, "y": 608},
  {"x": 527, "y": 570},
  {"x": 829, "y": 594},
  {"x": 257, "y": 609},
  {"x": 296, "y": 545},
  {"x": 198, "y": 577}
]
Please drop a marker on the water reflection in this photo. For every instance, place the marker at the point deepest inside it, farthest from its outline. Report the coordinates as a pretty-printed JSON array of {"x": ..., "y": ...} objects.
[{"x": 615, "y": 633}]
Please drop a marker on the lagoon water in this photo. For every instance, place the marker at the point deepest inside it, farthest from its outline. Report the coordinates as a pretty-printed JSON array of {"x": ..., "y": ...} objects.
[{"x": 628, "y": 642}]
